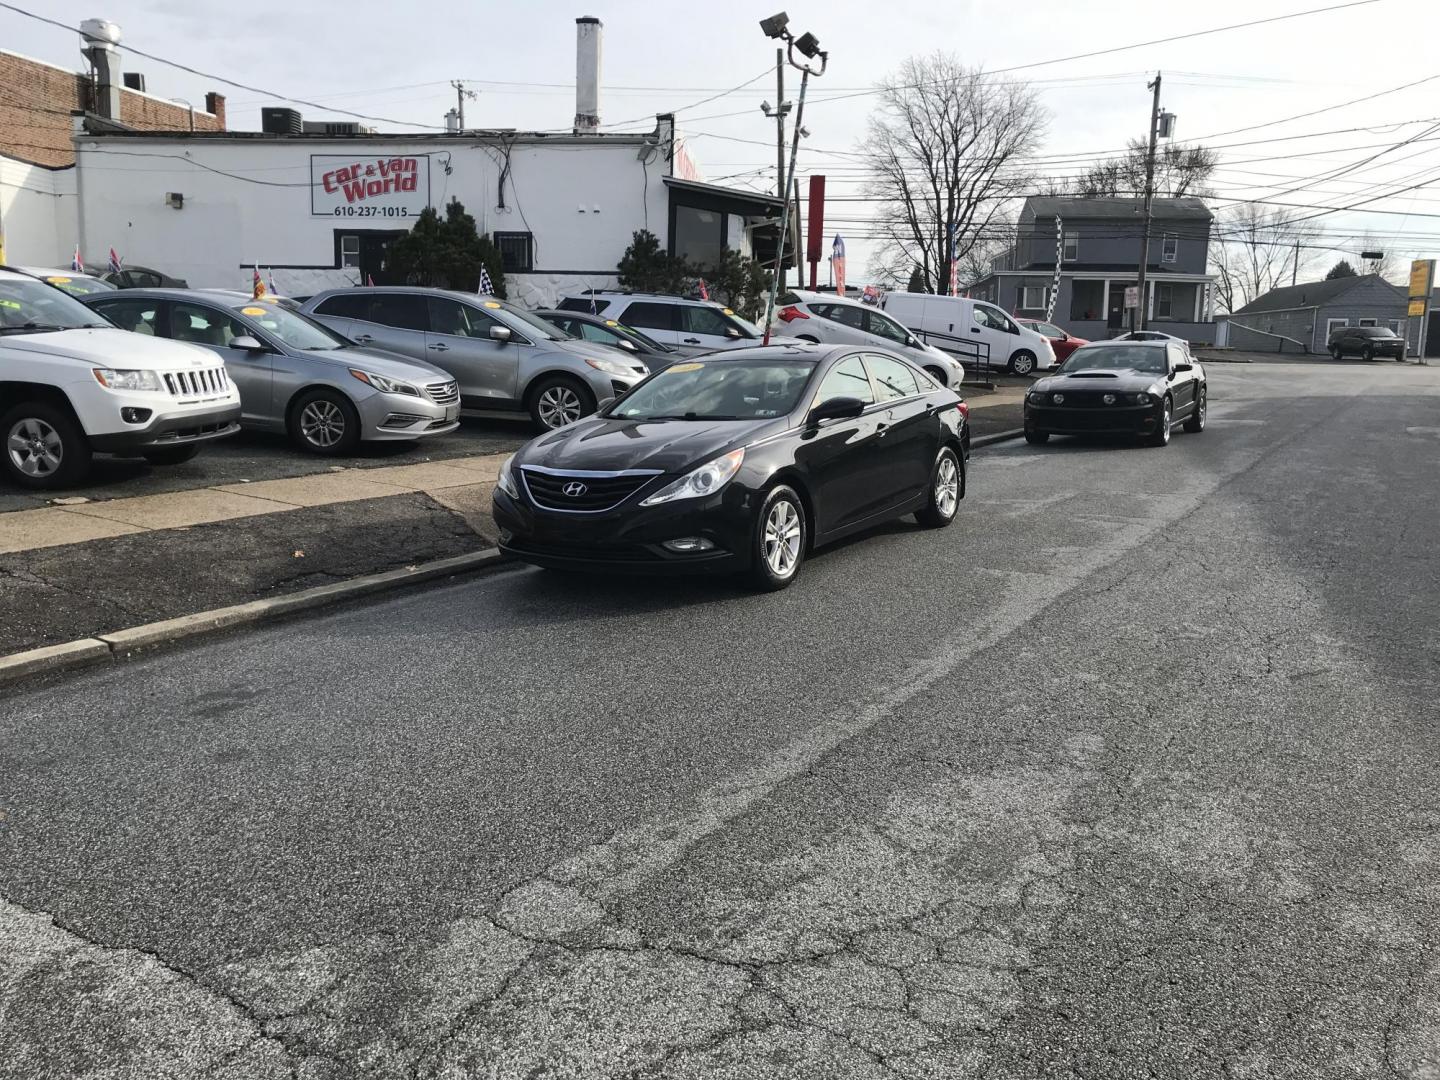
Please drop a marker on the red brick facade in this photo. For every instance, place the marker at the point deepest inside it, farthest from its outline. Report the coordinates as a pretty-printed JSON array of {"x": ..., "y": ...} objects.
[{"x": 35, "y": 120}]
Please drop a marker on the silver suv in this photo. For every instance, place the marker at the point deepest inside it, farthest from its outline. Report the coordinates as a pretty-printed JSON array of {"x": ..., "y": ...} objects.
[
  {"x": 507, "y": 361},
  {"x": 689, "y": 326}
]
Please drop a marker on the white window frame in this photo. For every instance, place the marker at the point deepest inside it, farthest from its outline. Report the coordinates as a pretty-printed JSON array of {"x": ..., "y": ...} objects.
[
  {"x": 346, "y": 257},
  {"x": 1169, "y": 248},
  {"x": 1331, "y": 324},
  {"x": 1164, "y": 298},
  {"x": 1070, "y": 247},
  {"x": 1368, "y": 322},
  {"x": 1026, "y": 290},
  {"x": 1397, "y": 325}
]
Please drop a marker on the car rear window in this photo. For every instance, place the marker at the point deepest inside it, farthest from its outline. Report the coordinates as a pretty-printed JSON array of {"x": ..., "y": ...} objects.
[{"x": 583, "y": 303}]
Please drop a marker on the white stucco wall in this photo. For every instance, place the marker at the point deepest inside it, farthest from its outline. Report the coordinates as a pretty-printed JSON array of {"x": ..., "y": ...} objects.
[
  {"x": 249, "y": 200},
  {"x": 37, "y": 209}
]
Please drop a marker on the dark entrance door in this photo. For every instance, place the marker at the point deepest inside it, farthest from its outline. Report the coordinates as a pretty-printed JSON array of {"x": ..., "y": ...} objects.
[
  {"x": 375, "y": 257},
  {"x": 1115, "y": 307}
]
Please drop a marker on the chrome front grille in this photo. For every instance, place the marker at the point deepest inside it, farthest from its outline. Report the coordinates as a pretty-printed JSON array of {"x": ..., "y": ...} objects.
[
  {"x": 444, "y": 393},
  {"x": 582, "y": 492},
  {"x": 199, "y": 383}
]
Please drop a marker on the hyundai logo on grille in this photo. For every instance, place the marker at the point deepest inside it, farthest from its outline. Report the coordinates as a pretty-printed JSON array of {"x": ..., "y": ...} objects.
[{"x": 575, "y": 489}]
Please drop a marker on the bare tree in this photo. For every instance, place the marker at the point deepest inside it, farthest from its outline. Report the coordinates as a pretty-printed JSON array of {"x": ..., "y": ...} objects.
[
  {"x": 1256, "y": 249},
  {"x": 1179, "y": 171},
  {"x": 947, "y": 146}
]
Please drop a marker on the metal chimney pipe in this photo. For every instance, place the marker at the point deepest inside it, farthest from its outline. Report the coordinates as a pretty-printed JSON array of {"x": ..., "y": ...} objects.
[
  {"x": 99, "y": 39},
  {"x": 588, "y": 31}
]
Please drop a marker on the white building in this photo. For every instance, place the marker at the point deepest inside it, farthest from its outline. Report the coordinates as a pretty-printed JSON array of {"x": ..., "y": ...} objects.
[{"x": 319, "y": 209}]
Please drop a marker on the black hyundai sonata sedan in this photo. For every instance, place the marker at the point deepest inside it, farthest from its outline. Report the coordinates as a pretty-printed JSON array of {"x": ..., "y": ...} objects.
[{"x": 738, "y": 462}]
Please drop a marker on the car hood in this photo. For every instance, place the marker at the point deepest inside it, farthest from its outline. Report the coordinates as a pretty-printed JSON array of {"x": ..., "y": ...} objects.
[
  {"x": 594, "y": 350},
  {"x": 608, "y": 444},
  {"x": 111, "y": 347},
  {"x": 380, "y": 361},
  {"x": 1124, "y": 380}
]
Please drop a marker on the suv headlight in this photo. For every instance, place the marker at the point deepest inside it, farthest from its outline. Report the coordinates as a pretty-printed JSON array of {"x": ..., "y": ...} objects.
[
  {"x": 611, "y": 367},
  {"x": 706, "y": 480},
  {"x": 127, "y": 379},
  {"x": 384, "y": 385},
  {"x": 506, "y": 481}
]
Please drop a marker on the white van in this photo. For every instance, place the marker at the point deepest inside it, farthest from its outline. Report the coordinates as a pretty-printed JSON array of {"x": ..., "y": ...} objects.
[{"x": 976, "y": 332}]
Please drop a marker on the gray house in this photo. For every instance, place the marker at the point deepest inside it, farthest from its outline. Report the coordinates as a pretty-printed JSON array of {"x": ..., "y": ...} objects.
[
  {"x": 1099, "y": 242},
  {"x": 1299, "y": 318}
]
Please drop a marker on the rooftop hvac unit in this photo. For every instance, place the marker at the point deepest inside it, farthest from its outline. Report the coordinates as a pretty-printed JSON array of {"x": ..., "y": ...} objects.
[
  {"x": 134, "y": 80},
  {"x": 336, "y": 127},
  {"x": 278, "y": 120}
]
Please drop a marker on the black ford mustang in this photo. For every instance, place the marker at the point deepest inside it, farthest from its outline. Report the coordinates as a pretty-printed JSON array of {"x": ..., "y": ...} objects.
[
  {"x": 1120, "y": 388},
  {"x": 739, "y": 461}
]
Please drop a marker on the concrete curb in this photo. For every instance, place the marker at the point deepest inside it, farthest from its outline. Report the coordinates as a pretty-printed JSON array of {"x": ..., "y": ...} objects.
[
  {"x": 999, "y": 436},
  {"x": 122, "y": 643}
]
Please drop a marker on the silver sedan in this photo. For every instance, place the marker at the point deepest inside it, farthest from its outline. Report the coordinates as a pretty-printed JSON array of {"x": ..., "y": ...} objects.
[{"x": 295, "y": 375}]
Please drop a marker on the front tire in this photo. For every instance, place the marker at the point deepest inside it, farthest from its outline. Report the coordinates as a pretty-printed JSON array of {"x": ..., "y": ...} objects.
[
  {"x": 777, "y": 546},
  {"x": 557, "y": 401},
  {"x": 1022, "y": 363},
  {"x": 1368, "y": 354},
  {"x": 945, "y": 487},
  {"x": 44, "y": 447},
  {"x": 1036, "y": 438},
  {"x": 171, "y": 455},
  {"x": 324, "y": 422},
  {"x": 1161, "y": 435},
  {"x": 1195, "y": 422},
  {"x": 936, "y": 374}
]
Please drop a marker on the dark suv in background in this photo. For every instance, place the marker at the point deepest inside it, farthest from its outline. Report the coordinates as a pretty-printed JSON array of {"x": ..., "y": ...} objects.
[{"x": 1366, "y": 342}]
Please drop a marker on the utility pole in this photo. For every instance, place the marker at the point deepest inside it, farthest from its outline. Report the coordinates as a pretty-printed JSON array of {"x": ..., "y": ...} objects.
[
  {"x": 1295, "y": 266},
  {"x": 780, "y": 186},
  {"x": 460, "y": 95},
  {"x": 1138, "y": 322}
]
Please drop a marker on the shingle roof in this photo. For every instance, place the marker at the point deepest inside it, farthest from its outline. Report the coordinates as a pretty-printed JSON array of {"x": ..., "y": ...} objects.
[
  {"x": 1049, "y": 206},
  {"x": 1307, "y": 294}
]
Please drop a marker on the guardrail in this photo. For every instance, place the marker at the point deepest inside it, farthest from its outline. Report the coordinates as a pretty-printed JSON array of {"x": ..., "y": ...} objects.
[{"x": 968, "y": 351}]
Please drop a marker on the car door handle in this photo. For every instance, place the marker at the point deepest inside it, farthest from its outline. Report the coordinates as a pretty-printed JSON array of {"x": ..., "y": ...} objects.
[
  {"x": 439, "y": 347},
  {"x": 363, "y": 339},
  {"x": 880, "y": 430},
  {"x": 691, "y": 340},
  {"x": 974, "y": 329}
]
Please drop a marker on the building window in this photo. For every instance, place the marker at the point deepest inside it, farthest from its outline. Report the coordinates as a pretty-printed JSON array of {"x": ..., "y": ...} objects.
[
  {"x": 1169, "y": 248},
  {"x": 517, "y": 251},
  {"x": 1369, "y": 322},
  {"x": 1070, "y": 250},
  {"x": 1032, "y": 298},
  {"x": 1164, "y": 301},
  {"x": 1332, "y": 324},
  {"x": 349, "y": 251},
  {"x": 699, "y": 236},
  {"x": 1396, "y": 324}
]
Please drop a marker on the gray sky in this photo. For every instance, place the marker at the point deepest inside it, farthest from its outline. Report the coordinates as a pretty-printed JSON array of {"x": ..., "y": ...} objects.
[{"x": 395, "y": 60}]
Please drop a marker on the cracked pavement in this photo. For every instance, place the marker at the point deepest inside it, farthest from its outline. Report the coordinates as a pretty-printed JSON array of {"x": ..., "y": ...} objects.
[{"x": 1130, "y": 773}]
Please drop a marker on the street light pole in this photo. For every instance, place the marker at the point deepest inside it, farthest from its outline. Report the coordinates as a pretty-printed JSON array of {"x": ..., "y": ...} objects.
[{"x": 1138, "y": 321}]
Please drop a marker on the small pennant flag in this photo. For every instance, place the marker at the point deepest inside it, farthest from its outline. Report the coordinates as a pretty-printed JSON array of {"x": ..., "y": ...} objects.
[
  {"x": 837, "y": 263},
  {"x": 116, "y": 263},
  {"x": 369, "y": 281},
  {"x": 76, "y": 263},
  {"x": 704, "y": 290},
  {"x": 593, "y": 309},
  {"x": 257, "y": 284},
  {"x": 270, "y": 283},
  {"x": 487, "y": 287}
]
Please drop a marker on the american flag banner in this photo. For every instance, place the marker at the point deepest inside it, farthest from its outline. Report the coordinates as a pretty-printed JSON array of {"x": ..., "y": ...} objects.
[
  {"x": 116, "y": 263},
  {"x": 487, "y": 287},
  {"x": 837, "y": 264},
  {"x": 76, "y": 263},
  {"x": 270, "y": 276},
  {"x": 257, "y": 284}
]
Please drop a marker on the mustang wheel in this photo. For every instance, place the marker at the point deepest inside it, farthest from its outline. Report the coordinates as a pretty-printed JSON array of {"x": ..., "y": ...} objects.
[
  {"x": 778, "y": 544},
  {"x": 1161, "y": 435},
  {"x": 1195, "y": 422},
  {"x": 945, "y": 482},
  {"x": 1036, "y": 438}
]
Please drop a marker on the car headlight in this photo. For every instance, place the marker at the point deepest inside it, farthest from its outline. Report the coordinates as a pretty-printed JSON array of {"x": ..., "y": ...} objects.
[
  {"x": 127, "y": 379},
  {"x": 1037, "y": 397},
  {"x": 384, "y": 385},
  {"x": 506, "y": 480},
  {"x": 706, "y": 480},
  {"x": 611, "y": 367},
  {"x": 1144, "y": 399}
]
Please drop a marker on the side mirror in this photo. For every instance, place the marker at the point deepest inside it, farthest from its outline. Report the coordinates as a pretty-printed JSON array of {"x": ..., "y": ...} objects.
[
  {"x": 913, "y": 342},
  {"x": 500, "y": 334},
  {"x": 840, "y": 408},
  {"x": 732, "y": 332},
  {"x": 627, "y": 345},
  {"x": 1181, "y": 368},
  {"x": 246, "y": 342}
]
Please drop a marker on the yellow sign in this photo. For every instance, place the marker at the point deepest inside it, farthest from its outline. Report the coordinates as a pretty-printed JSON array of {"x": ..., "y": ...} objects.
[
  {"x": 611, "y": 322},
  {"x": 254, "y": 311},
  {"x": 676, "y": 368},
  {"x": 492, "y": 303},
  {"x": 58, "y": 280},
  {"x": 1417, "y": 307},
  {"x": 727, "y": 311},
  {"x": 1422, "y": 278}
]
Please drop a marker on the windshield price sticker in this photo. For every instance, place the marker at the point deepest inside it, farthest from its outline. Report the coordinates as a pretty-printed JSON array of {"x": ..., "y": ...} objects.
[
  {"x": 253, "y": 311},
  {"x": 677, "y": 368}
]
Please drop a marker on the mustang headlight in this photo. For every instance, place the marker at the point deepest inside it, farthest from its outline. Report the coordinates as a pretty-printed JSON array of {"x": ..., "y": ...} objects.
[
  {"x": 611, "y": 367},
  {"x": 384, "y": 385},
  {"x": 706, "y": 480},
  {"x": 506, "y": 481},
  {"x": 1037, "y": 397},
  {"x": 113, "y": 379},
  {"x": 1144, "y": 399}
]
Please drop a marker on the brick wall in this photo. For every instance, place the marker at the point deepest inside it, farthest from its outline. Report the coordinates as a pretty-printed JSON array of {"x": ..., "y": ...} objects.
[{"x": 35, "y": 120}]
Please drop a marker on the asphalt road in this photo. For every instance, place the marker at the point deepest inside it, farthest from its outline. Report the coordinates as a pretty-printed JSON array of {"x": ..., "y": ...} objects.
[{"x": 1133, "y": 772}]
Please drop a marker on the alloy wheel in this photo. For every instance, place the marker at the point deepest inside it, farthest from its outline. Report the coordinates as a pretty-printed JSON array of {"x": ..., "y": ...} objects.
[
  {"x": 782, "y": 538},
  {"x": 1165, "y": 421},
  {"x": 947, "y": 486},
  {"x": 1201, "y": 408},
  {"x": 1023, "y": 364},
  {"x": 558, "y": 406},
  {"x": 322, "y": 423},
  {"x": 35, "y": 448}
]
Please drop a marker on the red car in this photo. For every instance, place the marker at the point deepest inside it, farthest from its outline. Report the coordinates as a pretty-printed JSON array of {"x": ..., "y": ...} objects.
[{"x": 1063, "y": 342}]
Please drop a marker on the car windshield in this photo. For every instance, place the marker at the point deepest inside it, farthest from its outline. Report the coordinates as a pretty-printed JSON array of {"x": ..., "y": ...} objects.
[
  {"x": 718, "y": 390},
  {"x": 29, "y": 306},
  {"x": 295, "y": 330},
  {"x": 1378, "y": 332},
  {"x": 1147, "y": 358},
  {"x": 77, "y": 284},
  {"x": 522, "y": 320}
]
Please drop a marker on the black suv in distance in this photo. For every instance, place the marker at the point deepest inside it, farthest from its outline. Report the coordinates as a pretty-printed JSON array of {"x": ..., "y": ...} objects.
[{"x": 1366, "y": 342}]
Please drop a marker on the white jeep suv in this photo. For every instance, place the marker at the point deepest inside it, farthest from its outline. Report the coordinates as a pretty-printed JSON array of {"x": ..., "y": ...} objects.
[{"x": 72, "y": 384}]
